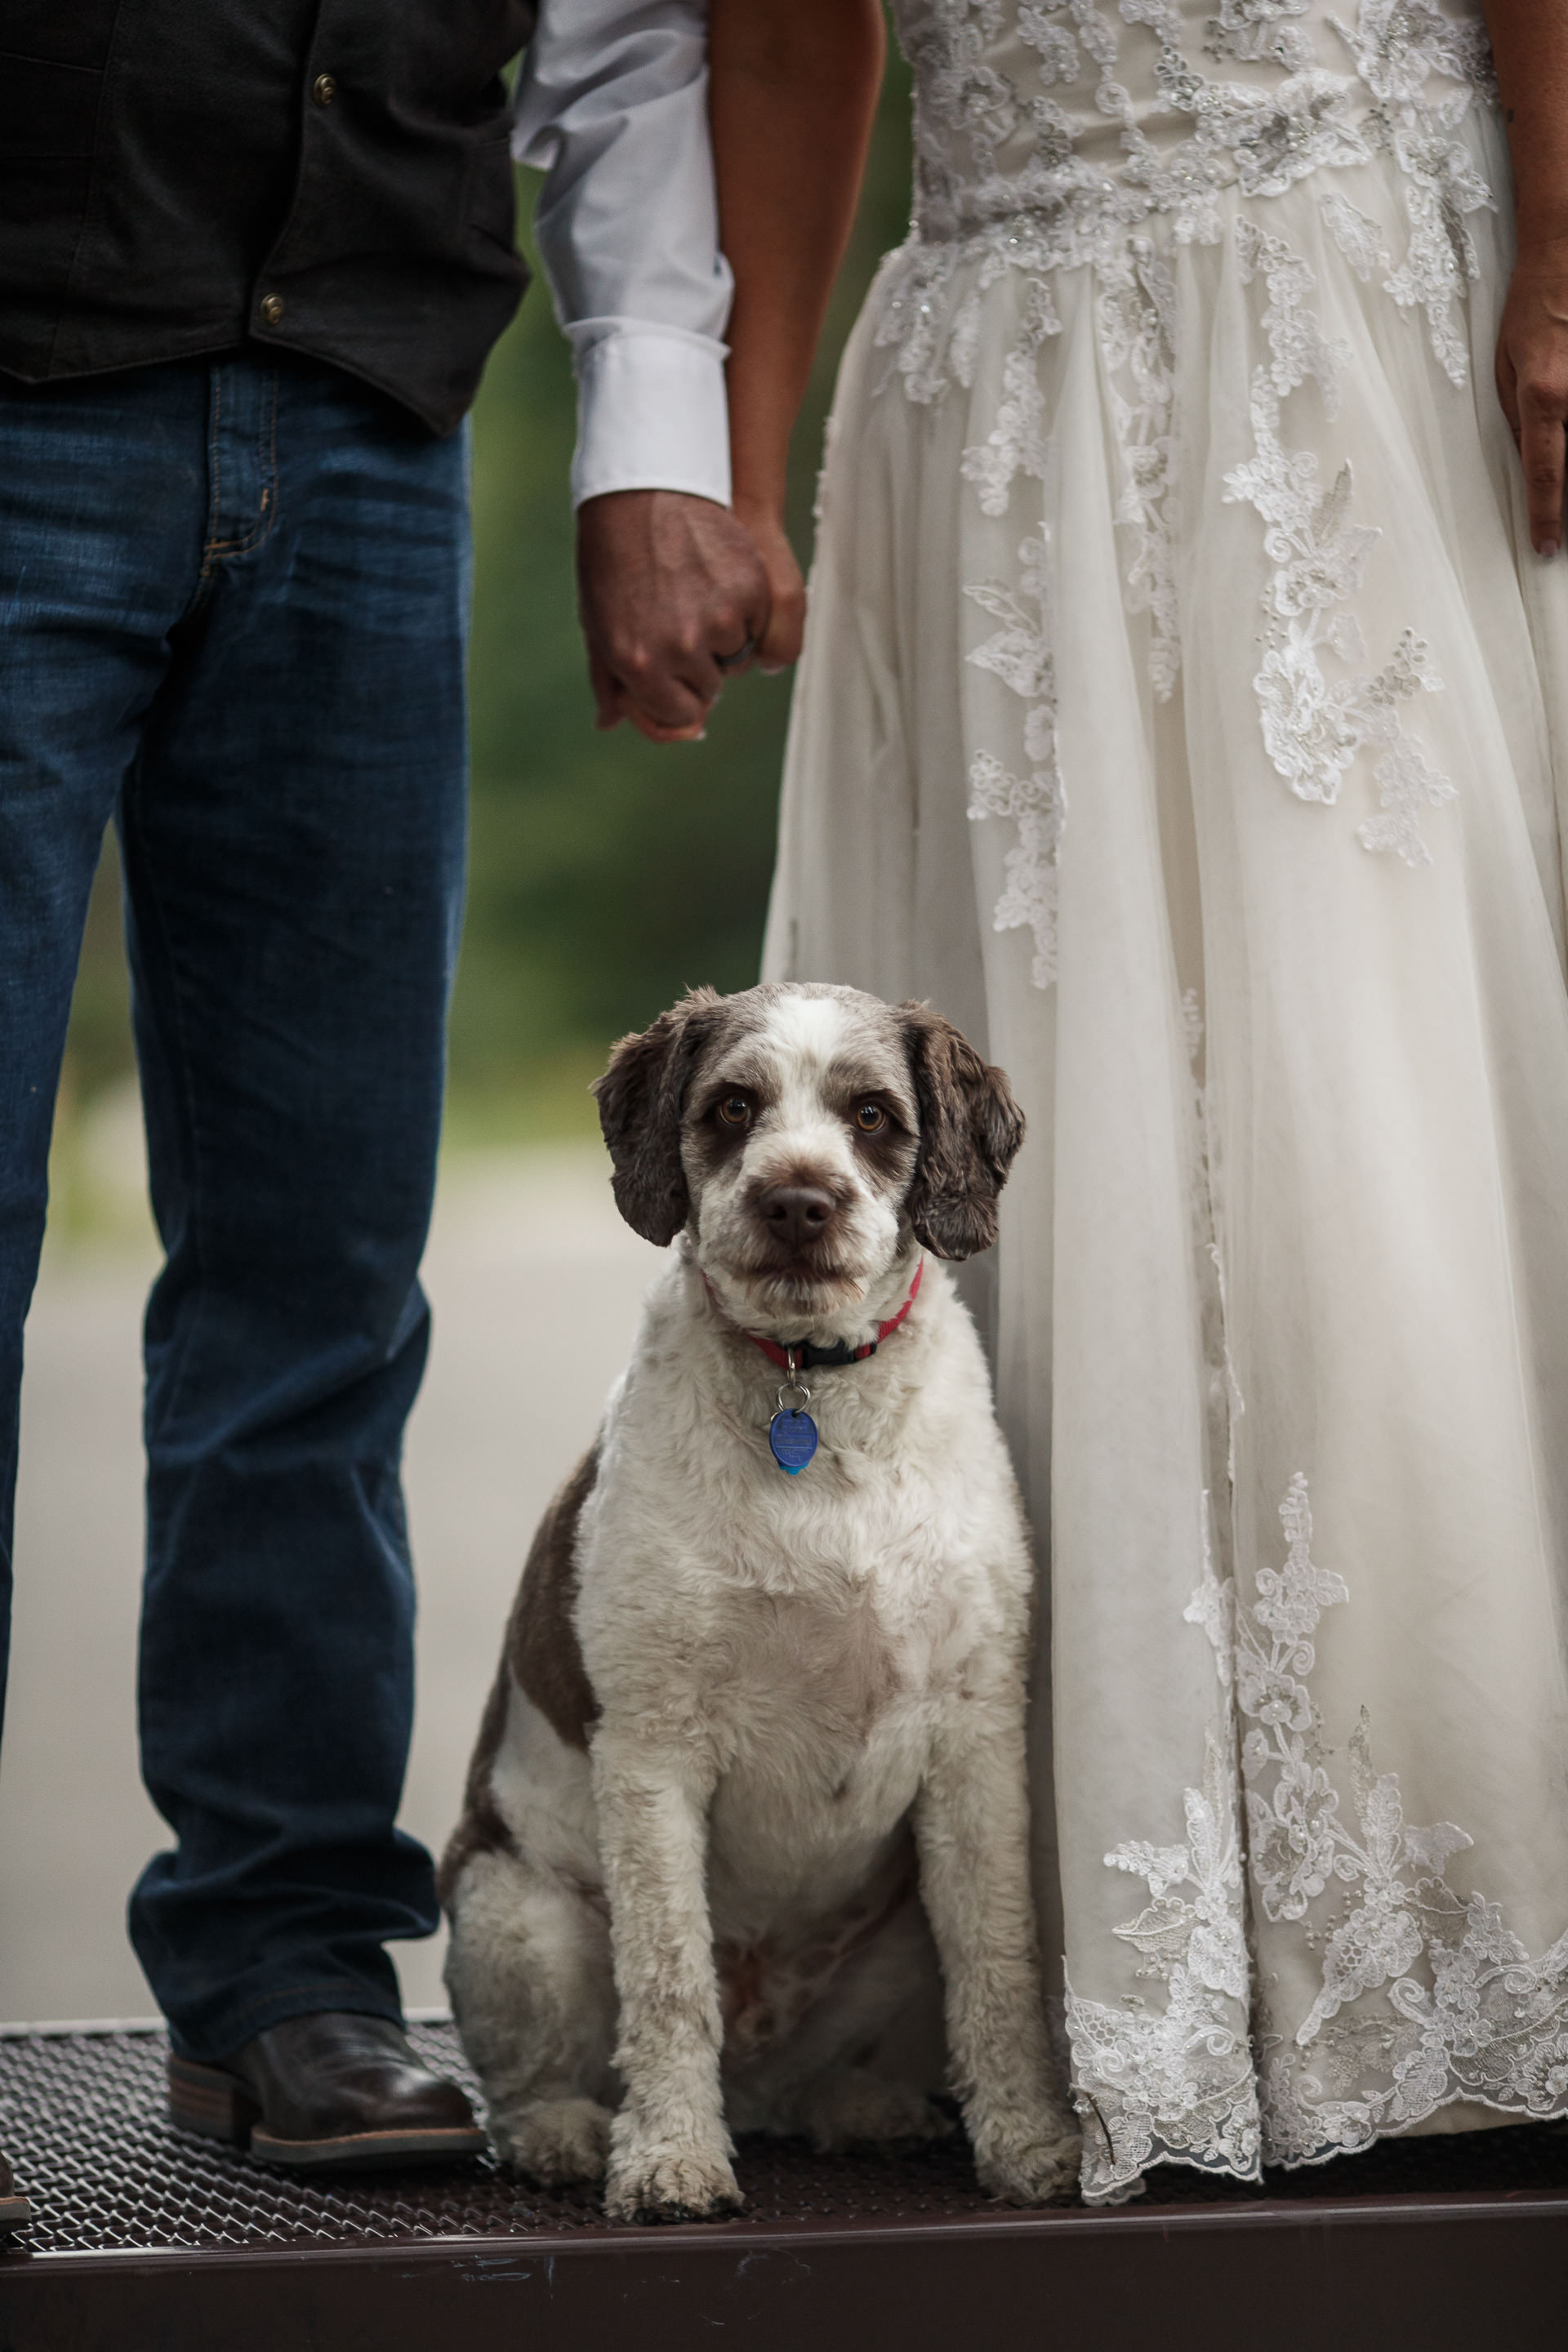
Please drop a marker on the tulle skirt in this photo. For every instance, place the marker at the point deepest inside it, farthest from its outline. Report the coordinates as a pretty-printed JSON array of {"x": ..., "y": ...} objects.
[{"x": 1182, "y": 713}]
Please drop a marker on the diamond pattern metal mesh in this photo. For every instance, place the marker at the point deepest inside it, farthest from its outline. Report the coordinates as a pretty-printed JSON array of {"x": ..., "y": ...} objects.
[{"x": 84, "y": 2120}]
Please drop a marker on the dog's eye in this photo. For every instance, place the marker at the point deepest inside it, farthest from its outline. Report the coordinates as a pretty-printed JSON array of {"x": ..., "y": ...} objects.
[
  {"x": 869, "y": 1117},
  {"x": 735, "y": 1111}
]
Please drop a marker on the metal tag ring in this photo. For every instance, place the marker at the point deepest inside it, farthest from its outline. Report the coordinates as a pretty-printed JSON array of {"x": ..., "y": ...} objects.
[{"x": 794, "y": 1388}]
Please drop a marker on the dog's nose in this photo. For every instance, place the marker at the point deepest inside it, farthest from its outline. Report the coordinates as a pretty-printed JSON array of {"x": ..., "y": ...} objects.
[{"x": 796, "y": 1212}]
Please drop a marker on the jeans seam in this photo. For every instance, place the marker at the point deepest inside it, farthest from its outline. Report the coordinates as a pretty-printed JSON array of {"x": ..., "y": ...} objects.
[
  {"x": 214, "y": 423},
  {"x": 269, "y": 489},
  {"x": 219, "y": 551}
]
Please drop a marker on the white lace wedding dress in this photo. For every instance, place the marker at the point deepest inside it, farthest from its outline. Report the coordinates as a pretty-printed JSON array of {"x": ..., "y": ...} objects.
[{"x": 1183, "y": 711}]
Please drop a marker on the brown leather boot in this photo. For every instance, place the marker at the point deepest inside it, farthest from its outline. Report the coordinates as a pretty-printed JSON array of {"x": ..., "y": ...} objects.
[
  {"x": 334, "y": 2089},
  {"x": 14, "y": 2210}
]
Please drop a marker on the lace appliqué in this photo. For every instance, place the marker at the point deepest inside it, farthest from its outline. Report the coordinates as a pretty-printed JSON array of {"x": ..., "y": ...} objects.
[
  {"x": 1003, "y": 193},
  {"x": 1016, "y": 444},
  {"x": 1359, "y": 239},
  {"x": 1314, "y": 730},
  {"x": 1137, "y": 327},
  {"x": 1398, "y": 46},
  {"x": 1424, "y": 1996},
  {"x": 1019, "y": 653},
  {"x": 1464, "y": 2011},
  {"x": 1176, "y": 2085},
  {"x": 1000, "y": 182},
  {"x": 1259, "y": 32}
]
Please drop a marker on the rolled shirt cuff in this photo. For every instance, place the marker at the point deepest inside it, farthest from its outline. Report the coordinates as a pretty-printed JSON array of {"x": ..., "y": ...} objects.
[{"x": 652, "y": 414}]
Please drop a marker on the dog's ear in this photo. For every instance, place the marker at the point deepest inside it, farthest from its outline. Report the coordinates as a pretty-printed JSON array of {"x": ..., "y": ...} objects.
[
  {"x": 640, "y": 1097},
  {"x": 970, "y": 1133}
]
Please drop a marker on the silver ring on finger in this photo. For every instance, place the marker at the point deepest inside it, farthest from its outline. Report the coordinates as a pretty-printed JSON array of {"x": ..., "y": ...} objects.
[{"x": 738, "y": 659}]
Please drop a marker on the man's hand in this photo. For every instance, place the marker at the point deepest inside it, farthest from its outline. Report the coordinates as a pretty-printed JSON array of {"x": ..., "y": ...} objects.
[
  {"x": 1532, "y": 381},
  {"x": 674, "y": 596}
]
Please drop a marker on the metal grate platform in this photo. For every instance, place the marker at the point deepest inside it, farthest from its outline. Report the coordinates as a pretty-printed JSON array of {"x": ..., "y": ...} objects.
[
  {"x": 84, "y": 2119},
  {"x": 145, "y": 2236}
]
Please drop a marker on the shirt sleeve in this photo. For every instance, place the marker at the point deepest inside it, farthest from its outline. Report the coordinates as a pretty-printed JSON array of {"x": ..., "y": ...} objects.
[{"x": 613, "y": 108}]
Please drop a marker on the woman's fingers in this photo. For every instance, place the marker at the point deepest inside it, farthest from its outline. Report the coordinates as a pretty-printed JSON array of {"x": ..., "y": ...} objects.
[
  {"x": 1542, "y": 396},
  {"x": 1533, "y": 386},
  {"x": 1507, "y": 389},
  {"x": 786, "y": 627},
  {"x": 779, "y": 644}
]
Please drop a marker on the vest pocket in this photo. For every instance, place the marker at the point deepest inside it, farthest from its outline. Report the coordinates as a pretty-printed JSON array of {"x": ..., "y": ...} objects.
[
  {"x": 490, "y": 198},
  {"x": 46, "y": 111}
]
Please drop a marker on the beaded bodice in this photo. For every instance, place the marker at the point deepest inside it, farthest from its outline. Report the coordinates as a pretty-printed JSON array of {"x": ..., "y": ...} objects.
[{"x": 1075, "y": 110}]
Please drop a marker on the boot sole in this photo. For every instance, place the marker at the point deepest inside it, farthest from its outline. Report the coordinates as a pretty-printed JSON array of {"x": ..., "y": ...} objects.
[
  {"x": 215, "y": 2106},
  {"x": 14, "y": 2213},
  {"x": 369, "y": 2151}
]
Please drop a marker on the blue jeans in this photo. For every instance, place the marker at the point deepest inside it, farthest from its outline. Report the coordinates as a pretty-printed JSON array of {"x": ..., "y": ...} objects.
[{"x": 232, "y": 612}]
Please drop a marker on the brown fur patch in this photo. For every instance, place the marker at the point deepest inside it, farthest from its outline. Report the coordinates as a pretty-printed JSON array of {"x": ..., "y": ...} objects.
[
  {"x": 640, "y": 1097},
  {"x": 539, "y": 1653},
  {"x": 970, "y": 1133},
  {"x": 480, "y": 1828},
  {"x": 541, "y": 1638},
  {"x": 766, "y": 1989}
]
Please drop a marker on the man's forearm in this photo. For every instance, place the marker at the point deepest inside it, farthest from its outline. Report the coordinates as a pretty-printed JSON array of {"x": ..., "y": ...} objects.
[
  {"x": 793, "y": 91},
  {"x": 612, "y": 108}
]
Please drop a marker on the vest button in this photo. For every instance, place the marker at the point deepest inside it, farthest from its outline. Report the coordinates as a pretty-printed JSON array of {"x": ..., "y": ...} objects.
[
  {"x": 324, "y": 89},
  {"x": 271, "y": 308}
]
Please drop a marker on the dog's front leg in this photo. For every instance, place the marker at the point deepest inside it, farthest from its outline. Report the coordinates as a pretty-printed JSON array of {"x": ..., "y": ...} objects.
[
  {"x": 670, "y": 2150},
  {"x": 972, "y": 1825}
]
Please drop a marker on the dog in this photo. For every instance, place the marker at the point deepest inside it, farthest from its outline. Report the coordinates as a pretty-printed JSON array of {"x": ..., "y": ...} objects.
[{"x": 749, "y": 1793}]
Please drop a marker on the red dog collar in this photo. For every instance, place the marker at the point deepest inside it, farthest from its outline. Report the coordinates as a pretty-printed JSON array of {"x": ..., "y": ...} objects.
[{"x": 793, "y": 1356}]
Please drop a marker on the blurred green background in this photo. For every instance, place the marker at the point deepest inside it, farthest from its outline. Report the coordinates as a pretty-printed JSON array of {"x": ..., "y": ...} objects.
[{"x": 607, "y": 874}]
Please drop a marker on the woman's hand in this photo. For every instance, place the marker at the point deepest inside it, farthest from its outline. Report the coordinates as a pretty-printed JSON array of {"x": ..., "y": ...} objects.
[
  {"x": 780, "y": 644},
  {"x": 1532, "y": 381},
  {"x": 1530, "y": 49}
]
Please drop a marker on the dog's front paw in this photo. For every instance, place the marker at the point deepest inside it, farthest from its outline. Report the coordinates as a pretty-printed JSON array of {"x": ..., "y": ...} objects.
[
  {"x": 554, "y": 2140},
  {"x": 663, "y": 2179},
  {"x": 1029, "y": 2160}
]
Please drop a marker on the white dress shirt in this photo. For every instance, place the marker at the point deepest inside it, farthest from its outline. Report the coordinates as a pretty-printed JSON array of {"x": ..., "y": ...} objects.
[{"x": 613, "y": 107}]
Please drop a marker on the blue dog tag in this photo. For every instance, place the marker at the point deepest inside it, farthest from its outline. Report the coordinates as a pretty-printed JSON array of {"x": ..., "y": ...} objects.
[{"x": 793, "y": 1436}]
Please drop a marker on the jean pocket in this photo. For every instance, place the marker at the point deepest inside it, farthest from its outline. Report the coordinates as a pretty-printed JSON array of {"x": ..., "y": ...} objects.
[{"x": 46, "y": 111}]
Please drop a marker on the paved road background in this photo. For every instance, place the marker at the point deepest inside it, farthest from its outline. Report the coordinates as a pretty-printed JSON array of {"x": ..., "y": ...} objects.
[{"x": 535, "y": 1285}]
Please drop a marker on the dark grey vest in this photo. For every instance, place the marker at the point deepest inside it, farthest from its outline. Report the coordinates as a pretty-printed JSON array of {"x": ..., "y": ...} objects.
[{"x": 181, "y": 176}]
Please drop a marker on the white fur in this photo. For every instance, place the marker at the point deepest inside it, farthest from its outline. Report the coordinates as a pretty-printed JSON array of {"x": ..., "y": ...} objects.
[{"x": 792, "y": 1672}]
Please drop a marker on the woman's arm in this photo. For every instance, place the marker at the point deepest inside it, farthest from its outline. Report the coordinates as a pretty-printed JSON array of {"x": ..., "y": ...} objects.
[
  {"x": 1529, "y": 42},
  {"x": 793, "y": 89}
]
